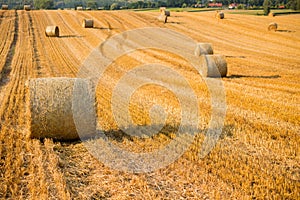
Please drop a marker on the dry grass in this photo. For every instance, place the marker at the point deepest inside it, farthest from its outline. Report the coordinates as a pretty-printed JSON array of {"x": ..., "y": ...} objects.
[{"x": 256, "y": 157}]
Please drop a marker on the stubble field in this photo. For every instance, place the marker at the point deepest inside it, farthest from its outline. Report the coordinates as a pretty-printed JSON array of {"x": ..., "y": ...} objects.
[{"x": 256, "y": 157}]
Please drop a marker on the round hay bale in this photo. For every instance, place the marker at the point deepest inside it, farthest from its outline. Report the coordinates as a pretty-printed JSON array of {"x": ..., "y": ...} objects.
[
  {"x": 4, "y": 7},
  {"x": 203, "y": 49},
  {"x": 220, "y": 15},
  {"x": 79, "y": 8},
  {"x": 162, "y": 9},
  {"x": 213, "y": 66},
  {"x": 273, "y": 26},
  {"x": 55, "y": 105},
  {"x": 167, "y": 13},
  {"x": 163, "y": 18},
  {"x": 87, "y": 23},
  {"x": 271, "y": 14},
  {"x": 52, "y": 31},
  {"x": 27, "y": 7}
]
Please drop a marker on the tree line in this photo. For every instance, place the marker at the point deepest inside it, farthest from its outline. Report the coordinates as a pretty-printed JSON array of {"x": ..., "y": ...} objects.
[{"x": 140, "y": 4}]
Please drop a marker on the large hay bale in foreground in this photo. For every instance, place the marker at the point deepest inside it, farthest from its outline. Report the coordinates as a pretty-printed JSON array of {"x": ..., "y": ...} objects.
[
  {"x": 55, "y": 105},
  {"x": 87, "y": 23},
  {"x": 27, "y": 7},
  {"x": 203, "y": 49},
  {"x": 213, "y": 66},
  {"x": 162, "y": 18},
  {"x": 220, "y": 15},
  {"x": 79, "y": 8},
  {"x": 52, "y": 31},
  {"x": 4, "y": 7},
  {"x": 273, "y": 26}
]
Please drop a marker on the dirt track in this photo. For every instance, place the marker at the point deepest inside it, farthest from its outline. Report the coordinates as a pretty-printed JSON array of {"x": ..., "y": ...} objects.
[{"x": 258, "y": 155}]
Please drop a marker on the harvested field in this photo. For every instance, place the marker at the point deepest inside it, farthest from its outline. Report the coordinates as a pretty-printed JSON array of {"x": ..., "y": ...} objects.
[{"x": 257, "y": 156}]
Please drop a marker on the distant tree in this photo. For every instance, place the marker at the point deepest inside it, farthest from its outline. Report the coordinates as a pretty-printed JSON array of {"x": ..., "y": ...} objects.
[
  {"x": 293, "y": 4},
  {"x": 43, "y": 4},
  {"x": 114, "y": 6},
  {"x": 92, "y": 4},
  {"x": 266, "y": 6}
]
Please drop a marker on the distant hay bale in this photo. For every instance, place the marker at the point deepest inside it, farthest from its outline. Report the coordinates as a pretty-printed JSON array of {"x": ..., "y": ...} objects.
[
  {"x": 55, "y": 105},
  {"x": 213, "y": 65},
  {"x": 163, "y": 11},
  {"x": 79, "y": 8},
  {"x": 52, "y": 31},
  {"x": 167, "y": 13},
  {"x": 271, "y": 14},
  {"x": 4, "y": 7},
  {"x": 273, "y": 26},
  {"x": 220, "y": 15},
  {"x": 163, "y": 18},
  {"x": 203, "y": 49},
  {"x": 27, "y": 7},
  {"x": 87, "y": 23}
]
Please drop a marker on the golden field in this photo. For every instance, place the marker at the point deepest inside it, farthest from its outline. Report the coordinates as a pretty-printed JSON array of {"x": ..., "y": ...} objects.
[{"x": 257, "y": 156}]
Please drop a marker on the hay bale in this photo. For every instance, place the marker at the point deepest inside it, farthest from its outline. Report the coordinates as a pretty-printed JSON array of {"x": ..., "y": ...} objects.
[
  {"x": 55, "y": 105},
  {"x": 52, "y": 31},
  {"x": 203, "y": 49},
  {"x": 4, "y": 7},
  {"x": 27, "y": 7},
  {"x": 163, "y": 11},
  {"x": 167, "y": 13},
  {"x": 220, "y": 15},
  {"x": 79, "y": 8},
  {"x": 213, "y": 66},
  {"x": 273, "y": 26},
  {"x": 163, "y": 18},
  {"x": 271, "y": 14},
  {"x": 87, "y": 23}
]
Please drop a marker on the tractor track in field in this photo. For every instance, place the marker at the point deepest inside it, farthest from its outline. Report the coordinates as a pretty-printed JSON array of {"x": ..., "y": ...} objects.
[{"x": 7, "y": 52}]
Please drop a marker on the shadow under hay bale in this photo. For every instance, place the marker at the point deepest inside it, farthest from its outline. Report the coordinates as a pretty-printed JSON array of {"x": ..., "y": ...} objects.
[
  {"x": 61, "y": 108},
  {"x": 213, "y": 66},
  {"x": 52, "y": 31}
]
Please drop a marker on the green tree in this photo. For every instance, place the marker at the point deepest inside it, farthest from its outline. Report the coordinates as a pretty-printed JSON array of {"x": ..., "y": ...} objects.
[
  {"x": 266, "y": 6},
  {"x": 43, "y": 4},
  {"x": 92, "y": 4},
  {"x": 293, "y": 4},
  {"x": 114, "y": 6}
]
